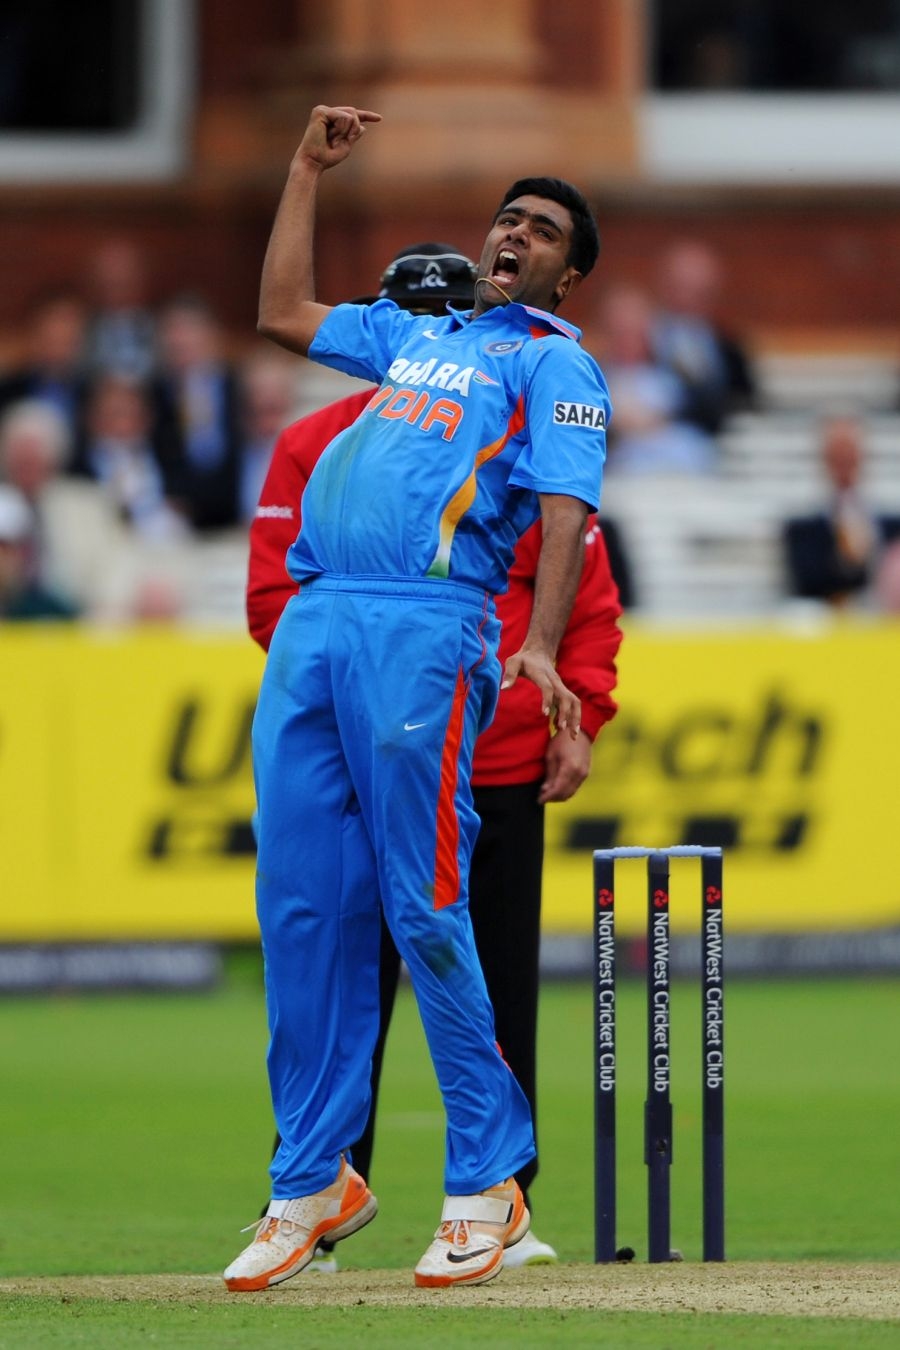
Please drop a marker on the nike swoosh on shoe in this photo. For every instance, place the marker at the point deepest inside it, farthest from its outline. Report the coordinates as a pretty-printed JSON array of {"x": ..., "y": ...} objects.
[{"x": 456, "y": 1257}]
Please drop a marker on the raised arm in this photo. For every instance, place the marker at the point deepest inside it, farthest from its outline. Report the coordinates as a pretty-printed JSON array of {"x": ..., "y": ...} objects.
[
  {"x": 556, "y": 581},
  {"x": 288, "y": 313}
]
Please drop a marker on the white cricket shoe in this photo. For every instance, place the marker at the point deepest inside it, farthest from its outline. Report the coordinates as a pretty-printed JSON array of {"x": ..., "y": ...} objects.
[
  {"x": 530, "y": 1252},
  {"x": 475, "y": 1230},
  {"x": 286, "y": 1236}
]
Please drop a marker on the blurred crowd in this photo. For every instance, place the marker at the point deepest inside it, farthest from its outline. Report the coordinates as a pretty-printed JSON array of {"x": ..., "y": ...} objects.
[
  {"x": 132, "y": 434},
  {"x": 678, "y": 375},
  {"x": 675, "y": 374},
  {"x": 128, "y": 434}
]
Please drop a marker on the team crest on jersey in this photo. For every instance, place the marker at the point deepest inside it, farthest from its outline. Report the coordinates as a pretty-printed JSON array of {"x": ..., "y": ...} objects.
[
  {"x": 580, "y": 415},
  {"x": 503, "y": 348}
]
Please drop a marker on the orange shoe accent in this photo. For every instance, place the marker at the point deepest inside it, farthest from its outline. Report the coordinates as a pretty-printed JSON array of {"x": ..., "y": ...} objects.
[
  {"x": 355, "y": 1197},
  {"x": 476, "y": 1277},
  {"x": 517, "y": 1228},
  {"x": 251, "y": 1284},
  {"x": 295, "y": 1242},
  {"x": 475, "y": 1230}
]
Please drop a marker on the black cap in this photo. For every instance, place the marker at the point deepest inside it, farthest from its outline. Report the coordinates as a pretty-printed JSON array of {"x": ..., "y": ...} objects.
[{"x": 427, "y": 276}]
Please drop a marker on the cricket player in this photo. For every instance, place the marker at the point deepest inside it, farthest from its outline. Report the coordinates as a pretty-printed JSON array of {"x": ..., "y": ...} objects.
[{"x": 380, "y": 675}]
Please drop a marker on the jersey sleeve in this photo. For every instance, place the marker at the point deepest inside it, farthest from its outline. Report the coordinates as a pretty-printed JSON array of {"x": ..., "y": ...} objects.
[
  {"x": 567, "y": 409},
  {"x": 361, "y": 340}
]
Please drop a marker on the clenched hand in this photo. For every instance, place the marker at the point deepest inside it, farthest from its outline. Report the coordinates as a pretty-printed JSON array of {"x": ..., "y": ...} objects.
[{"x": 331, "y": 134}]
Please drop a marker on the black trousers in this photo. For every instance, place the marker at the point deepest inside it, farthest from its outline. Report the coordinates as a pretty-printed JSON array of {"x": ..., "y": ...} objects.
[{"x": 505, "y": 905}]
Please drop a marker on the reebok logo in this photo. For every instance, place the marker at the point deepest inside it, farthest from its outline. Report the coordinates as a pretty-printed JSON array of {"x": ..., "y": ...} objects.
[
  {"x": 274, "y": 513},
  {"x": 579, "y": 414}
]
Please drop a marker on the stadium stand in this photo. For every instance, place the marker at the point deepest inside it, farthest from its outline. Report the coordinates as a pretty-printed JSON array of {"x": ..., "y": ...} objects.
[
  {"x": 702, "y": 548},
  {"x": 709, "y": 548}
]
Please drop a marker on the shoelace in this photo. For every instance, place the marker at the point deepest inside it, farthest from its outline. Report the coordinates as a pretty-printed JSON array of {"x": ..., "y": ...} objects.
[
  {"x": 268, "y": 1226},
  {"x": 455, "y": 1231}
]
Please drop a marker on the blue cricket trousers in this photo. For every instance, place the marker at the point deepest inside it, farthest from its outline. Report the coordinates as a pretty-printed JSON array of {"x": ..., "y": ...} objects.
[{"x": 374, "y": 692}]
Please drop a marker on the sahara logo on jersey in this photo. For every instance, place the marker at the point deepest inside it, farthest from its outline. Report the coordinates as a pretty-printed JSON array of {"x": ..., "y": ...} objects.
[
  {"x": 579, "y": 414},
  {"x": 434, "y": 374}
]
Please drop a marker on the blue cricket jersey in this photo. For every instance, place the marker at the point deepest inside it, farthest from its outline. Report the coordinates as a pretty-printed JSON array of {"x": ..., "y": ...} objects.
[{"x": 472, "y": 418}]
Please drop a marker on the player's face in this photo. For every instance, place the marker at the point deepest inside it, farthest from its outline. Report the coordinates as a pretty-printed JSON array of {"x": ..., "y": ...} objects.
[{"x": 524, "y": 256}]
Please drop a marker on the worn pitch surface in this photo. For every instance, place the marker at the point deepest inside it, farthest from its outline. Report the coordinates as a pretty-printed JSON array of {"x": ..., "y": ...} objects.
[{"x": 802, "y": 1289}]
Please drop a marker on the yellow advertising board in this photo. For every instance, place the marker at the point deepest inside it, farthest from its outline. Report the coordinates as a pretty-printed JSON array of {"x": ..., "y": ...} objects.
[
  {"x": 127, "y": 789},
  {"x": 127, "y": 785},
  {"x": 782, "y": 748}
]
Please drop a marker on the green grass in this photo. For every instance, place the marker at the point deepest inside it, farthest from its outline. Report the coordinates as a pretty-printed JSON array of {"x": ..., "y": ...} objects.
[
  {"x": 137, "y": 1130},
  {"x": 109, "y": 1326}
]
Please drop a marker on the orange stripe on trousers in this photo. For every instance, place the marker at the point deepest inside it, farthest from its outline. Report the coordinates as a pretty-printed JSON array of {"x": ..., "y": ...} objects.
[{"x": 446, "y": 853}]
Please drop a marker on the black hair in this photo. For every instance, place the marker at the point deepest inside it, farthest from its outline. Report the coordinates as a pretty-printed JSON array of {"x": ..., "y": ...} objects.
[{"x": 585, "y": 246}]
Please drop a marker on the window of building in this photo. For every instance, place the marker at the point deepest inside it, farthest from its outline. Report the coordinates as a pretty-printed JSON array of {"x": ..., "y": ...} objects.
[
  {"x": 94, "y": 90},
  {"x": 790, "y": 46},
  {"x": 773, "y": 90}
]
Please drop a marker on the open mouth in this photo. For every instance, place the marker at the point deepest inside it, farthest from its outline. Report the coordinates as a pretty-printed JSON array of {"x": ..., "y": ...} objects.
[{"x": 506, "y": 268}]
